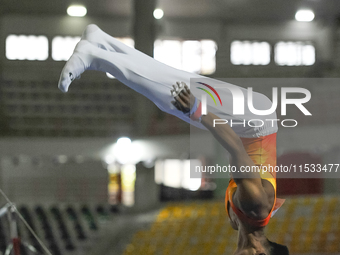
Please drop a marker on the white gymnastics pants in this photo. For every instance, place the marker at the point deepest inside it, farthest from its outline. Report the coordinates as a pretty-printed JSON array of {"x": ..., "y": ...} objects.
[{"x": 99, "y": 51}]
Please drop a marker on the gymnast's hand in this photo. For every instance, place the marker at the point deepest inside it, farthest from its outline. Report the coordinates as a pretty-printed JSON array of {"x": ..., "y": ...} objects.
[{"x": 184, "y": 101}]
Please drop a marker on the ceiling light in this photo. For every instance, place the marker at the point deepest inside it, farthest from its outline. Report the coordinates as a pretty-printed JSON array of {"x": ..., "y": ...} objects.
[
  {"x": 158, "y": 13},
  {"x": 76, "y": 10},
  {"x": 304, "y": 15},
  {"x": 124, "y": 142}
]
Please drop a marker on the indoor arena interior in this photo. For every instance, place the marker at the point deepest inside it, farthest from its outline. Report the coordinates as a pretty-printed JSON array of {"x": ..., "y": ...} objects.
[{"x": 105, "y": 169}]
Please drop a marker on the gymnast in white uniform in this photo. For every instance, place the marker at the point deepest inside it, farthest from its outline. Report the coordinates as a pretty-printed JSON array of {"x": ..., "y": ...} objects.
[
  {"x": 153, "y": 79},
  {"x": 250, "y": 197}
]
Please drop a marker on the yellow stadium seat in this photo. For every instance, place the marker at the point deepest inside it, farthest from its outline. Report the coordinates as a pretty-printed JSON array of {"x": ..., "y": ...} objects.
[{"x": 202, "y": 228}]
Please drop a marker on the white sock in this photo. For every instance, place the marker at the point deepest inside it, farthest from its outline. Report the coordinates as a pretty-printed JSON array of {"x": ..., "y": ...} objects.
[
  {"x": 93, "y": 44},
  {"x": 131, "y": 69},
  {"x": 76, "y": 65}
]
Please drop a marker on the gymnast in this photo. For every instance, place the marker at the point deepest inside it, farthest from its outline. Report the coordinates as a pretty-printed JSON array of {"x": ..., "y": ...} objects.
[{"x": 250, "y": 197}]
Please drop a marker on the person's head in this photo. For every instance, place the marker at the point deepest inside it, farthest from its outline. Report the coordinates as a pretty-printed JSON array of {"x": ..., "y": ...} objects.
[{"x": 271, "y": 248}]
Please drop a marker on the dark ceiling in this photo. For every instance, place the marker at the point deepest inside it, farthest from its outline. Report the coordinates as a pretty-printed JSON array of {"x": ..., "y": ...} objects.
[{"x": 235, "y": 10}]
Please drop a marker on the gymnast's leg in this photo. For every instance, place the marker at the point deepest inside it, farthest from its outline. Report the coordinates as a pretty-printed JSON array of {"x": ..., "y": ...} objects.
[{"x": 99, "y": 51}]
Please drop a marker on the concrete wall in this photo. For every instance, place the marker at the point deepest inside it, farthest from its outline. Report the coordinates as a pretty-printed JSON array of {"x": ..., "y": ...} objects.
[
  {"x": 46, "y": 180},
  {"x": 21, "y": 171},
  {"x": 322, "y": 35},
  {"x": 316, "y": 138},
  {"x": 50, "y": 27}
]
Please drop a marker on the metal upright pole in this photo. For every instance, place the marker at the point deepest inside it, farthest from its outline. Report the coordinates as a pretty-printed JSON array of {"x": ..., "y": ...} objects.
[{"x": 14, "y": 230}]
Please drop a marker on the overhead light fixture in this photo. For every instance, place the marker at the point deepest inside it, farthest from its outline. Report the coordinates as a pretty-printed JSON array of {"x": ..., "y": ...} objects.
[
  {"x": 158, "y": 13},
  {"x": 304, "y": 15},
  {"x": 123, "y": 142},
  {"x": 123, "y": 150},
  {"x": 76, "y": 10}
]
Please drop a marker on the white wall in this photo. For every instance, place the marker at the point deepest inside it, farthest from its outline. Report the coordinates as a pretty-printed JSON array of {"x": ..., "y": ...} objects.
[{"x": 34, "y": 180}]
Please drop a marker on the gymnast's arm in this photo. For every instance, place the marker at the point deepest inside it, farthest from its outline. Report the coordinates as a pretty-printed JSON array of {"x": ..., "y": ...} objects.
[{"x": 250, "y": 196}]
